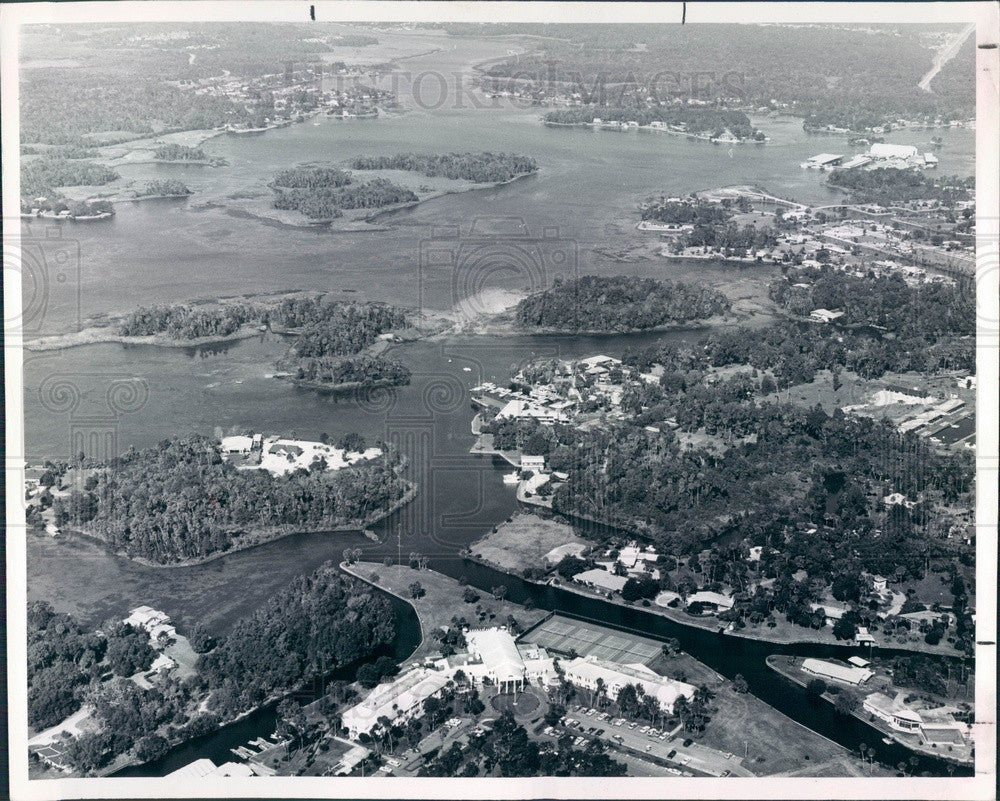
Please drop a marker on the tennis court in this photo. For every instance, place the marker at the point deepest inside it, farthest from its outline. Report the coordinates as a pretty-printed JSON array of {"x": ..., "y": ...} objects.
[{"x": 563, "y": 635}]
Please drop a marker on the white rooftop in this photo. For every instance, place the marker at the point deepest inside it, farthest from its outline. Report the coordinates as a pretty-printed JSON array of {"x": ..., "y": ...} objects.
[
  {"x": 602, "y": 578},
  {"x": 497, "y": 649}
]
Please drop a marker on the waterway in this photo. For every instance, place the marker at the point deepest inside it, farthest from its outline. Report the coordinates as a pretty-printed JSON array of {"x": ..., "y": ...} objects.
[{"x": 581, "y": 206}]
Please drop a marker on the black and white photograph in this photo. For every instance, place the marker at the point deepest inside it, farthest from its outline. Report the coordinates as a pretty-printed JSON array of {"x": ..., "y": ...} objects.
[{"x": 521, "y": 400}]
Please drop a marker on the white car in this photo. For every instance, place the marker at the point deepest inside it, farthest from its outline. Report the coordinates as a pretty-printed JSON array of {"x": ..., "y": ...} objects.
[{"x": 392, "y": 761}]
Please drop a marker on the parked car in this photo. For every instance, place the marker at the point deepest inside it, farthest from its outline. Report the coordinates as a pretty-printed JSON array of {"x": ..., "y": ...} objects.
[
  {"x": 688, "y": 742},
  {"x": 619, "y": 722},
  {"x": 632, "y": 725},
  {"x": 672, "y": 754},
  {"x": 644, "y": 729},
  {"x": 599, "y": 732},
  {"x": 726, "y": 773}
]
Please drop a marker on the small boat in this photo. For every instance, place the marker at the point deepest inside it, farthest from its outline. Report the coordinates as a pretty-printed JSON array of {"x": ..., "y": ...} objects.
[
  {"x": 466, "y": 369},
  {"x": 887, "y": 740}
]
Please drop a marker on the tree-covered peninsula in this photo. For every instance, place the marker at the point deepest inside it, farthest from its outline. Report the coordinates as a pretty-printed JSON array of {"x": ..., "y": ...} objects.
[{"x": 183, "y": 502}]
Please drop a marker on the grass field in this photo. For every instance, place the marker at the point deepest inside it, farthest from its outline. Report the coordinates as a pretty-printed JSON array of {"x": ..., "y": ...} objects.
[
  {"x": 441, "y": 601},
  {"x": 523, "y": 542},
  {"x": 742, "y": 724}
]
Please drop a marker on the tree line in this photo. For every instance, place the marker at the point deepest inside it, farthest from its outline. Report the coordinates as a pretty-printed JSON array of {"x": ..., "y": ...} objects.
[
  {"x": 175, "y": 152},
  {"x": 320, "y": 623},
  {"x": 618, "y": 303},
  {"x": 477, "y": 167},
  {"x": 887, "y": 186},
  {"x": 42, "y": 175}
]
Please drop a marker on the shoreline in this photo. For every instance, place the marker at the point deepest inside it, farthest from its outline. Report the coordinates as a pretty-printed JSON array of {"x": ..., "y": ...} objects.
[
  {"x": 342, "y": 388},
  {"x": 266, "y": 539},
  {"x": 97, "y": 335},
  {"x": 346, "y": 568},
  {"x": 610, "y": 126}
]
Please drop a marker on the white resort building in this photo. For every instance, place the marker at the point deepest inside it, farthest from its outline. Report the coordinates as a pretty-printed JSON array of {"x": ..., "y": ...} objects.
[
  {"x": 403, "y": 698},
  {"x": 586, "y": 670}
]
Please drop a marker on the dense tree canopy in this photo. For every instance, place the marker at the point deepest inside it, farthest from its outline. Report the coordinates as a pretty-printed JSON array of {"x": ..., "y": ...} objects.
[
  {"x": 618, "y": 303},
  {"x": 478, "y": 167},
  {"x": 321, "y": 622},
  {"x": 182, "y": 500}
]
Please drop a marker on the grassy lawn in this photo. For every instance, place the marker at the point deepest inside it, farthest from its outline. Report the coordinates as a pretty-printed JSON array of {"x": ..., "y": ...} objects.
[
  {"x": 442, "y": 600},
  {"x": 742, "y": 723},
  {"x": 522, "y": 542}
]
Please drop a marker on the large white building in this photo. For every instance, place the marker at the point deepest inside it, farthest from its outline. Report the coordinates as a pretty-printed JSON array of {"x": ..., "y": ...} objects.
[
  {"x": 403, "y": 698},
  {"x": 585, "y": 671},
  {"x": 494, "y": 655},
  {"x": 501, "y": 660}
]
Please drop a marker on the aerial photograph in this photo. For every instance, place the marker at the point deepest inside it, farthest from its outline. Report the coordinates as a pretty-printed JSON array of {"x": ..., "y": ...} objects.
[{"x": 490, "y": 400}]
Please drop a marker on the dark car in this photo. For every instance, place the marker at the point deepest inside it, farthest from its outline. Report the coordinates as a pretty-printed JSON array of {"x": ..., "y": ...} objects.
[
  {"x": 688, "y": 742},
  {"x": 599, "y": 732},
  {"x": 672, "y": 754}
]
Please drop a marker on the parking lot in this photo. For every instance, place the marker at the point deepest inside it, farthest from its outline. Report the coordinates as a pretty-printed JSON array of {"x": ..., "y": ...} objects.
[{"x": 640, "y": 740}]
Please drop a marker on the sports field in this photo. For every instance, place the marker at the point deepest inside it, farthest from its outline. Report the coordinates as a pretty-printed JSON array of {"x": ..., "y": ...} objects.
[{"x": 562, "y": 635}]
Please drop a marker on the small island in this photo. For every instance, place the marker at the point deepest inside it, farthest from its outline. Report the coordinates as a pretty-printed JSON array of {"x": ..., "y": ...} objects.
[
  {"x": 476, "y": 167},
  {"x": 166, "y": 188},
  {"x": 175, "y": 153},
  {"x": 605, "y": 304}
]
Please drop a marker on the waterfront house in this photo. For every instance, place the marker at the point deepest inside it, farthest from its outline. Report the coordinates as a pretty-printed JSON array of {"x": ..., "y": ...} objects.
[
  {"x": 601, "y": 580},
  {"x": 893, "y": 712}
]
